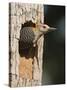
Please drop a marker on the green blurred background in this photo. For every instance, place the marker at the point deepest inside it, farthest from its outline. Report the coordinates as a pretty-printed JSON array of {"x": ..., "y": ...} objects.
[{"x": 54, "y": 46}]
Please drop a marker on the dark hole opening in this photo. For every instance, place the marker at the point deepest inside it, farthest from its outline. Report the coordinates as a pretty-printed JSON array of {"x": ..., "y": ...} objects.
[{"x": 26, "y": 49}]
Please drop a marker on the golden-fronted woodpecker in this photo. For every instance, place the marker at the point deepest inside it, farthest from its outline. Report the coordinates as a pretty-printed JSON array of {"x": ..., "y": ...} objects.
[{"x": 30, "y": 35}]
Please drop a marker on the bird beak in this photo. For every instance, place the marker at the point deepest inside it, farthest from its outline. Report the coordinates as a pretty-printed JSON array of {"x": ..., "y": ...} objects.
[{"x": 51, "y": 29}]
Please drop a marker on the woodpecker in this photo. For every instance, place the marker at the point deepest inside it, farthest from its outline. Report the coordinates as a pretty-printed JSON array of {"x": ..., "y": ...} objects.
[{"x": 30, "y": 35}]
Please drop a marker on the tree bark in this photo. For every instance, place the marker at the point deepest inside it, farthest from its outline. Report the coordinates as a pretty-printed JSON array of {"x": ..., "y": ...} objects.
[{"x": 23, "y": 71}]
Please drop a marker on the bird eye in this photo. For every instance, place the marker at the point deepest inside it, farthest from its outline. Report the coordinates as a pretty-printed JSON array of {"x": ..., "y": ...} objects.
[{"x": 44, "y": 26}]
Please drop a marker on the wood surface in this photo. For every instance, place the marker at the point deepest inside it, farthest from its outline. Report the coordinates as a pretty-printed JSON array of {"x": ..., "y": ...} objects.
[{"x": 24, "y": 71}]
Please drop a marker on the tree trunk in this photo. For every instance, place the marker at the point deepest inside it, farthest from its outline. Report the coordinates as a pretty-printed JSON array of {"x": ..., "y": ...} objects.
[{"x": 24, "y": 71}]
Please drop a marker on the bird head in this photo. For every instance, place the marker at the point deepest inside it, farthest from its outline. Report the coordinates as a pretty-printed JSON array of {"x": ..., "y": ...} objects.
[{"x": 44, "y": 28}]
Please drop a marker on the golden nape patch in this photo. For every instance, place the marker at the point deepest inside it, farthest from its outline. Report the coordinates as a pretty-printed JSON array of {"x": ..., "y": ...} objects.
[{"x": 25, "y": 68}]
